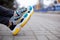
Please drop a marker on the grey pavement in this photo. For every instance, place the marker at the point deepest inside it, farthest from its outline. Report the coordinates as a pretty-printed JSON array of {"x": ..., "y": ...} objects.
[{"x": 41, "y": 26}]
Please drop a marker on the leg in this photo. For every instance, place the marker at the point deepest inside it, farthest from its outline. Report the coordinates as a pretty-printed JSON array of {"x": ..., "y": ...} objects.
[
  {"x": 4, "y": 20},
  {"x": 5, "y": 15},
  {"x": 6, "y": 12}
]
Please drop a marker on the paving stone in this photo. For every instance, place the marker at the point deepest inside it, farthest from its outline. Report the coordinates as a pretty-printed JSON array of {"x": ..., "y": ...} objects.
[
  {"x": 7, "y": 38},
  {"x": 5, "y": 33},
  {"x": 42, "y": 37},
  {"x": 3, "y": 27},
  {"x": 1, "y": 37},
  {"x": 23, "y": 37},
  {"x": 52, "y": 36}
]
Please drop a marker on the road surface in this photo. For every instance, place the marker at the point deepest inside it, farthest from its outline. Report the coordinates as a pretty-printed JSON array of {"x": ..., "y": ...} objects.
[{"x": 41, "y": 26}]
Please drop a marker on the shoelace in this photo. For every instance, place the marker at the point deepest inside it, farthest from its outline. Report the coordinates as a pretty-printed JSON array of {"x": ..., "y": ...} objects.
[{"x": 19, "y": 12}]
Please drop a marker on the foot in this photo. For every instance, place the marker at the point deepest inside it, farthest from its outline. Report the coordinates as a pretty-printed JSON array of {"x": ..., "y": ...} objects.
[{"x": 20, "y": 20}]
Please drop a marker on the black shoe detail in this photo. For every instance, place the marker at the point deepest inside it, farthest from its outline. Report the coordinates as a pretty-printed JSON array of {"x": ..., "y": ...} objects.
[
  {"x": 28, "y": 11},
  {"x": 21, "y": 20},
  {"x": 12, "y": 27},
  {"x": 24, "y": 10},
  {"x": 16, "y": 19}
]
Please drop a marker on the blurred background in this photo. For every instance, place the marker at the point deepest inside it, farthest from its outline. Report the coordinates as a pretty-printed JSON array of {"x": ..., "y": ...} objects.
[
  {"x": 41, "y": 5},
  {"x": 47, "y": 5}
]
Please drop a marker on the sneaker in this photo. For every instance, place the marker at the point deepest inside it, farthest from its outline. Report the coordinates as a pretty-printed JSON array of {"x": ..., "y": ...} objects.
[{"x": 19, "y": 21}]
